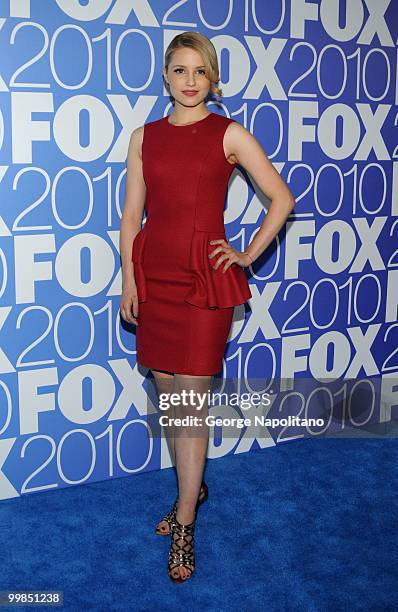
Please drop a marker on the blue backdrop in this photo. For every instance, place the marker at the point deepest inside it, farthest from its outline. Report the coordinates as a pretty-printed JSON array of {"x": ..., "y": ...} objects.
[{"x": 316, "y": 83}]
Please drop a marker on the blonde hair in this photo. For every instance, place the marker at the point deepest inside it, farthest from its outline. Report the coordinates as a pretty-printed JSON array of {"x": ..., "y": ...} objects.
[{"x": 205, "y": 48}]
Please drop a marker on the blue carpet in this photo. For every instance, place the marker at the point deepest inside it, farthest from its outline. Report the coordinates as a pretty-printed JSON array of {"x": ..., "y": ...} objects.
[{"x": 305, "y": 525}]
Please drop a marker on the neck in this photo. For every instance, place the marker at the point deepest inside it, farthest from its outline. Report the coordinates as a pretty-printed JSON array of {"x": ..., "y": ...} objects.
[{"x": 183, "y": 114}]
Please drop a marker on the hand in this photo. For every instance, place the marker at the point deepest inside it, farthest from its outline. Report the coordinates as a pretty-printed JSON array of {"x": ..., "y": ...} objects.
[
  {"x": 129, "y": 305},
  {"x": 229, "y": 255}
]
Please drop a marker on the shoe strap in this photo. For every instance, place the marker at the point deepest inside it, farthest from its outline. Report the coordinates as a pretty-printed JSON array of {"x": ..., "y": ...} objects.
[{"x": 183, "y": 528}]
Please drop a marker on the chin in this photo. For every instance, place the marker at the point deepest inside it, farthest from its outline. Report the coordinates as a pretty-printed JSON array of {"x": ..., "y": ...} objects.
[{"x": 186, "y": 101}]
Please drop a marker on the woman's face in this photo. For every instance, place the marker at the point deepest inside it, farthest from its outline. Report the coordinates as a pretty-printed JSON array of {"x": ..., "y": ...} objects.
[{"x": 187, "y": 78}]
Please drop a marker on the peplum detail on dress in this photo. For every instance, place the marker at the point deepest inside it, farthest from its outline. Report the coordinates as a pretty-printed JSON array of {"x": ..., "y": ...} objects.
[
  {"x": 212, "y": 288},
  {"x": 137, "y": 254}
]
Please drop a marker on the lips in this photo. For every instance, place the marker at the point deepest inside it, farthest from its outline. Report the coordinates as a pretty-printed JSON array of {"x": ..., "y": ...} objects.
[{"x": 190, "y": 92}]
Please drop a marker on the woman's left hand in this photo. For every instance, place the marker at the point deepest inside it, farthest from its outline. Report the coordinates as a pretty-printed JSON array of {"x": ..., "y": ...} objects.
[{"x": 229, "y": 255}]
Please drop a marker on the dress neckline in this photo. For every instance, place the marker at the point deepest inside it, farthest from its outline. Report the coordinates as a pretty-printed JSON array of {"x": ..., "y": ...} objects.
[{"x": 187, "y": 124}]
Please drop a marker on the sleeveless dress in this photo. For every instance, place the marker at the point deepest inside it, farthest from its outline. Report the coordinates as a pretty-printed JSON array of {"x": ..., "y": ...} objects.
[{"x": 185, "y": 306}]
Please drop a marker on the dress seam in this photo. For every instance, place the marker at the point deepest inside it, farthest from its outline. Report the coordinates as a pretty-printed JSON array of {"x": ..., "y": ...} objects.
[{"x": 205, "y": 157}]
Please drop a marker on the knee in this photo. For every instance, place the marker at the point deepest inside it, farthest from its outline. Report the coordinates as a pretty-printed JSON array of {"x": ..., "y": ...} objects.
[{"x": 163, "y": 374}]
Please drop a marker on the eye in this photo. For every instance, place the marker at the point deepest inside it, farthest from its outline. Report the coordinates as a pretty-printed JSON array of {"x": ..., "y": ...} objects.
[{"x": 200, "y": 70}]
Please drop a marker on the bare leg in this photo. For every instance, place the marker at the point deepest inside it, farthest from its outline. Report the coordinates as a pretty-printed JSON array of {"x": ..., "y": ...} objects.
[
  {"x": 190, "y": 447},
  {"x": 164, "y": 383}
]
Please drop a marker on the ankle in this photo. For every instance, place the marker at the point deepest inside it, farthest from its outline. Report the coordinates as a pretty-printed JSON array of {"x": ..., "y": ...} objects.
[{"x": 185, "y": 516}]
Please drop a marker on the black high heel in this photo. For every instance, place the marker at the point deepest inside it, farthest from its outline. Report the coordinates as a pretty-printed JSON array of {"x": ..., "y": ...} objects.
[
  {"x": 170, "y": 516},
  {"x": 182, "y": 552}
]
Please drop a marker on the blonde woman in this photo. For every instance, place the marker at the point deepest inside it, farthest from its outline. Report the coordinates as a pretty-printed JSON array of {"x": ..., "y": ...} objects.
[{"x": 181, "y": 277}]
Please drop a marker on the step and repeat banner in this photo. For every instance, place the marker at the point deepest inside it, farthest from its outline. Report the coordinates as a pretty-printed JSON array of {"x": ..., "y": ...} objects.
[{"x": 316, "y": 83}]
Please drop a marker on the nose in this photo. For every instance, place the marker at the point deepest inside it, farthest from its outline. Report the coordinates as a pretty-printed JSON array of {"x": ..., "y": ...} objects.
[{"x": 190, "y": 78}]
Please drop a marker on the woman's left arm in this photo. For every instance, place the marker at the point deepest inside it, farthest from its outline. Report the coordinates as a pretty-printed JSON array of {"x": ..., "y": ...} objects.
[{"x": 240, "y": 144}]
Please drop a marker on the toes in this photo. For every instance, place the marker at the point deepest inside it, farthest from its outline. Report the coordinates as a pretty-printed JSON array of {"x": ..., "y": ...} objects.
[
  {"x": 163, "y": 527},
  {"x": 181, "y": 572},
  {"x": 185, "y": 573}
]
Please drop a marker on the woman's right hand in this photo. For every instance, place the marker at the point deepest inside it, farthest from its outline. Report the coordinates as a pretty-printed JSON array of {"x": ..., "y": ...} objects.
[{"x": 129, "y": 305}]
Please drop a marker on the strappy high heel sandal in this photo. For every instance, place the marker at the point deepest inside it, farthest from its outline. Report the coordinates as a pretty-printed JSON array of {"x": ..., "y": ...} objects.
[
  {"x": 182, "y": 552},
  {"x": 170, "y": 516}
]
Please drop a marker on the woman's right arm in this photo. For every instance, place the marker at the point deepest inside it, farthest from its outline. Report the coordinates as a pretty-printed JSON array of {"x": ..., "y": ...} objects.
[{"x": 130, "y": 224}]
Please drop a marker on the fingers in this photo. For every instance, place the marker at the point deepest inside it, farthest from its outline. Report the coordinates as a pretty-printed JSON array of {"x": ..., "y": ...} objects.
[
  {"x": 129, "y": 318},
  {"x": 228, "y": 265},
  {"x": 229, "y": 254},
  {"x": 220, "y": 260},
  {"x": 223, "y": 248},
  {"x": 129, "y": 312}
]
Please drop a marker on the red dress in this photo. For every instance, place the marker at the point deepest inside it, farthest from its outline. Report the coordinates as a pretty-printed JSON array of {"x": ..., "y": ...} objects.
[{"x": 185, "y": 306}]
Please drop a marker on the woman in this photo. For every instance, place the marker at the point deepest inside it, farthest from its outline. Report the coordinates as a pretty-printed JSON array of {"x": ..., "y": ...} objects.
[{"x": 181, "y": 278}]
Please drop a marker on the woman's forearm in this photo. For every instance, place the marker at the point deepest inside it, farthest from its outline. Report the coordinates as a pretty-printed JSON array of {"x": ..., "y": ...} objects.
[
  {"x": 128, "y": 231},
  {"x": 275, "y": 219}
]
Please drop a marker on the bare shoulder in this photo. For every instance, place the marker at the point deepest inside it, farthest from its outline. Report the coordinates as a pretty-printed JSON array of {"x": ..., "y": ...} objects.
[
  {"x": 244, "y": 147},
  {"x": 237, "y": 137},
  {"x": 236, "y": 133},
  {"x": 136, "y": 138}
]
